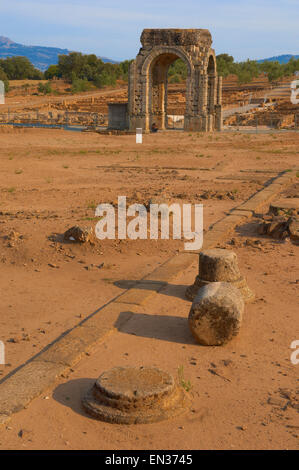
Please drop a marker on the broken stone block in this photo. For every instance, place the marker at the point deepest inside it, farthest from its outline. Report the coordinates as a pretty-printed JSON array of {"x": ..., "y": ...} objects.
[
  {"x": 216, "y": 314},
  {"x": 288, "y": 206},
  {"x": 78, "y": 234},
  {"x": 280, "y": 227},
  {"x": 277, "y": 227}
]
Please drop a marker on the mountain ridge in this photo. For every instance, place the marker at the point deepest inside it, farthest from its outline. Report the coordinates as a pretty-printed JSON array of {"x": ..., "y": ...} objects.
[
  {"x": 40, "y": 56},
  {"x": 282, "y": 59}
]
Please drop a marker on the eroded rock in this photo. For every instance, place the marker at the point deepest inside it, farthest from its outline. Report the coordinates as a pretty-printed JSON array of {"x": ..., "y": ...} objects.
[
  {"x": 216, "y": 314},
  {"x": 78, "y": 234}
]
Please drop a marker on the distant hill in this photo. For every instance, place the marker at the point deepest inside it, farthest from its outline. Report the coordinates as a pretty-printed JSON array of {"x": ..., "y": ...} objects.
[
  {"x": 282, "y": 59},
  {"x": 40, "y": 56}
]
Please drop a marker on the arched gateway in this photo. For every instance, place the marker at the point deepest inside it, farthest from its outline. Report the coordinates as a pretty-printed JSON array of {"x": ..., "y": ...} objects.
[{"x": 148, "y": 79}]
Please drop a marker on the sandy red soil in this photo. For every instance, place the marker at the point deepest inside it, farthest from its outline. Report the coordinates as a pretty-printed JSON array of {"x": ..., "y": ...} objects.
[{"x": 51, "y": 180}]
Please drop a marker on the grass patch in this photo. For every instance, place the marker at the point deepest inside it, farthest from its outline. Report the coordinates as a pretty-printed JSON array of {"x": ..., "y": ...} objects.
[
  {"x": 186, "y": 384},
  {"x": 91, "y": 205}
]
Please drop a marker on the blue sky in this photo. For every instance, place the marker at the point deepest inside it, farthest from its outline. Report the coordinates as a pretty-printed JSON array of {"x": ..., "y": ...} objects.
[{"x": 245, "y": 29}]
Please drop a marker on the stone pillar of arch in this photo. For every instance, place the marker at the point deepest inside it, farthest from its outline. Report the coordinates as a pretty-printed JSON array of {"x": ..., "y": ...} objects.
[{"x": 148, "y": 79}]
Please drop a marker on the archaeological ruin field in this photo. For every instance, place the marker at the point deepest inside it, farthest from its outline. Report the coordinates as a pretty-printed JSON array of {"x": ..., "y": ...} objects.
[
  {"x": 243, "y": 393},
  {"x": 176, "y": 330}
]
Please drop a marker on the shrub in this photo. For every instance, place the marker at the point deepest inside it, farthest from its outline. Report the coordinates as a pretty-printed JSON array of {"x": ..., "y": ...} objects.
[
  {"x": 79, "y": 85},
  {"x": 45, "y": 88}
]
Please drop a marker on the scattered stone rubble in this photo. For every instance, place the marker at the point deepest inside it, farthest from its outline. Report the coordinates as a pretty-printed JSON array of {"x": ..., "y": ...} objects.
[
  {"x": 280, "y": 228},
  {"x": 222, "y": 195},
  {"x": 282, "y": 221},
  {"x": 282, "y": 116}
]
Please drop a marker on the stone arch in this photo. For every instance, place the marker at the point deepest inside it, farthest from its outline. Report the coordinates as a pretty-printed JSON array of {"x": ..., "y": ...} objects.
[
  {"x": 148, "y": 78},
  {"x": 166, "y": 50}
]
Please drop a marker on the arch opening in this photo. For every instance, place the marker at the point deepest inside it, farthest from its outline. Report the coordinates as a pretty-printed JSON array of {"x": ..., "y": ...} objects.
[
  {"x": 211, "y": 72},
  {"x": 158, "y": 91},
  {"x": 176, "y": 95}
]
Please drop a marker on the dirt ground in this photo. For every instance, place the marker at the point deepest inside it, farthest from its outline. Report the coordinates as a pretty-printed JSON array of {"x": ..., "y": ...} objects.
[{"x": 51, "y": 180}]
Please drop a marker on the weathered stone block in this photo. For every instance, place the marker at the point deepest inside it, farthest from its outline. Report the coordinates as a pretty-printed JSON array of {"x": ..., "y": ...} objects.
[
  {"x": 216, "y": 314},
  {"x": 218, "y": 265}
]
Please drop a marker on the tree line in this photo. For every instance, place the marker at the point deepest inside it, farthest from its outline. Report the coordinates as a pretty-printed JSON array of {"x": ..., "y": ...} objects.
[
  {"x": 18, "y": 68},
  {"x": 84, "y": 71},
  {"x": 248, "y": 70},
  {"x": 245, "y": 71},
  {"x": 81, "y": 71}
]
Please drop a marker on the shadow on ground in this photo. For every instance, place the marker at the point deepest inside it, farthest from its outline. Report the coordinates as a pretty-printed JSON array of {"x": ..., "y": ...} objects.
[
  {"x": 161, "y": 327},
  {"x": 70, "y": 394},
  {"x": 172, "y": 290}
]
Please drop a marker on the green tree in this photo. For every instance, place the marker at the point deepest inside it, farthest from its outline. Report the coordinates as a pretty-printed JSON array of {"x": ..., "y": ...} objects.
[
  {"x": 77, "y": 66},
  {"x": 80, "y": 85},
  {"x": 225, "y": 64},
  {"x": 105, "y": 79},
  {"x": 177, "y": 71},
  {"x": 51, "y": 72},
  {"x": 20, "y": 68}
]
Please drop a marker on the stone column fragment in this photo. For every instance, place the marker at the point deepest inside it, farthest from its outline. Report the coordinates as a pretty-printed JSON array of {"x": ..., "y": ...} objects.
[
  {"x": 219, "y": 265},
  {"x": 216, "y": 314}
]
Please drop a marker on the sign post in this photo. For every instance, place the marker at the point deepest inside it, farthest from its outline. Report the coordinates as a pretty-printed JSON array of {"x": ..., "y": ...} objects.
[
  {"x": 2, "y": 92},
  {"x": 138, "y": 135}
]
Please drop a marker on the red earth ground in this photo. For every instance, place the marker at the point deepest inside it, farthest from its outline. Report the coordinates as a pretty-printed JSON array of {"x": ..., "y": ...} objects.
[{"x": 51, "y": 180}]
